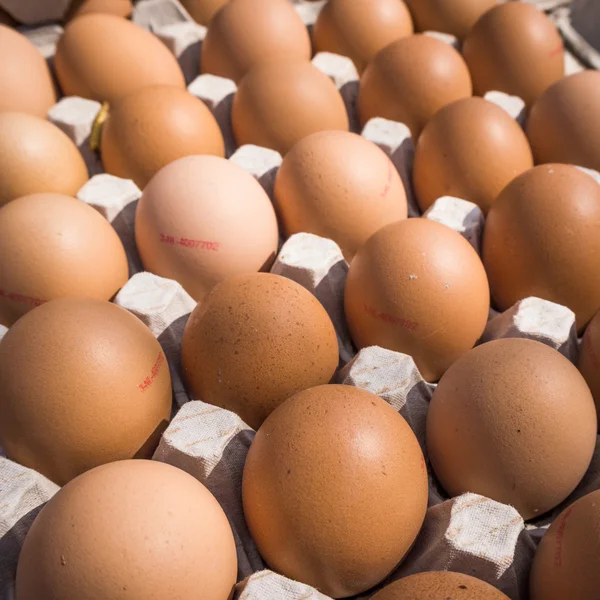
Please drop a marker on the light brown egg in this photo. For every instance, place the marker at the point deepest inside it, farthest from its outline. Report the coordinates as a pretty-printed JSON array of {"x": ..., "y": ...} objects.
[
  {"x": 541, "y": 239},
  {"x": 471, "y": 149},
  {"x": 567, "y": 562},
  {"x": 448, "y": 16},
  {"x": 516, "y": 49},
  {"x": 37, "y": 157},
  {"x": 360, "y": 29},
  {"x": 589, "y": 358},
  {"x": 418, "y": 287},
  {"x": 135, "y": 529},
  {"x": 564, "y": 124},
  {"x": 439, "y": 585},
  {"x": 154, "y": 126},
  {"x": 512, "y": 420},
  {"x": 53, "y": 246},
  {"x": 394, "y": 84},
  {"x": 25, "y": 82},
  {"x": 338, "y": 516},
  {"x": 103, "y": 57},
  {"x": 340, "y": 186},
  {"x": 244, "y": 35},
  {"x": 279, "y": 103},
  {"x": 203, "y": 219},
  {"x": 255, "y": 341},
  {"x": 202, "y": 11},
  {"x": 119, "y": 8},
  {"x": 84, "y": 383}
]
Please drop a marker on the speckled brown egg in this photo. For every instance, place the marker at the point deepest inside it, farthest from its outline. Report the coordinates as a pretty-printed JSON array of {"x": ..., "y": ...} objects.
[
  {"x": 103, "y": 57},
  {"x": 418, "y": 287},
  {"x": 516, "y": 49},
  {"x": 401, "y": 66},
  {"x": 279, "y": 103},
  {"x": 589, "y": 358},
  {"x": 564, "y": 124},
  {"x": 135, "y": 529},
  {"x": 84, "y": 383},
  {"x": 154, "y": 126},
  {"x": 244, "y": 34},
  {"x": 361, "y": 28},
  {"x": 335, "y": 489},
  {"x": 541, "y": 239},
  {"x": 340, "y": 186},
  {"x": 512, "y": 420},
  {"x": 439, "y": 585},
  {"x": 255, "y": 341},
  {"x": 119, "y": 8},
  {"x": 202, "y": 11},
  {"x": 37, "y": 157},
  {"x": 567, "y": 562},
  {"x": 471, "y": 149},
  {"x": 53, "y": 246},
  {"x": 25, "y": 81}
]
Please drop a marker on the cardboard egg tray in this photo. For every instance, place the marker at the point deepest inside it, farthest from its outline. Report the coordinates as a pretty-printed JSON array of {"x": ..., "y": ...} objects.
[{"x": 470, "y": 533}]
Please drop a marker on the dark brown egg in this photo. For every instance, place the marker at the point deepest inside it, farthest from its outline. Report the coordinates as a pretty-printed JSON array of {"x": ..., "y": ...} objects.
[
  {"x": 119, "y": 8},
  {"x": 589, "y": 358}
]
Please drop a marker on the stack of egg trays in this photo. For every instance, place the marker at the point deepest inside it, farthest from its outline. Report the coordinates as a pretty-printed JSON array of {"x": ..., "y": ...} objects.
[{"x": 470, "y": 533}]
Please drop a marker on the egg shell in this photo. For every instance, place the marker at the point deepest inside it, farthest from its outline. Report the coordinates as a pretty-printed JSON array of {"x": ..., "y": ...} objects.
[
  {"x": 339, "y": 186},
  {"x": 439, "y": 585},
  {"x": 246, "y": 33},
  {"x": 418, "y": 287},
  {"x": 589, "y": 358},
  {"x": 84, "y": 382},
  {"x": 202, "y": 11},
  {"x": 154, "y": 126},
  {"x": 25, "y": 81},
  {"x": 202, "y": 219},
  {"x": 567, "y": 562},
  {"x": 514, "y": 48},
  {"x": 512, "y": 420},
  {"x": 338, "y": 516},
  {"x": 119, "y": 8},
  {"x": 448, "y": 16},
  {"x": 103, "y": 57},
  {"x": 53, "y": 246},
  {"x": 255, "y": 341},
  {"x": 471, "y": 149},
  {"x": 141, "y": 530},
  {"x": 279, "y": 103},
  {"x": 37, "y": 157},
  {"x": 361, "y": 28},
  {"x": 541, "y": 239},
  {"x": 400, "y": 67},
  {"x": 564, "y": 124}
]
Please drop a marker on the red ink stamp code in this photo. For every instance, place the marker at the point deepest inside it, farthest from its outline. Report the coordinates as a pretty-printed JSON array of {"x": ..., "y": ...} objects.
[
  {"x": 388, "y": 183},
  {"x": 188, "y": 243},
  {"x": 559, "y": 538},
  {"x": 153, "y": 373},
  {"x": 21, "y": 299},
  {"x": 386, "y": 318}
]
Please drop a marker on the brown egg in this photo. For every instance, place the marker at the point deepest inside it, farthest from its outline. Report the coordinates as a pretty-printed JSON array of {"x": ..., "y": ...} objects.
[
  {"x": 255, "y": 341},
  {"x": 360, "y": 29},
  {"x": 120, "y": 8},
  {"x": 37, "y": 157},
  {"x": 154, "y": 126},
  {"x": 279, "y": 103},
  {"x": 103, "y": 57},
  {"x": 589, "y": 358},
  {"x": 418, "y": 287},
  {"x": 25, "y": 82},
  {"x": 340, "y": 186},
  {"x": 567, "y": 562},
  {"x": 471, "y": 149},
  {"x": 439, "y": 585},
  {"x": 203, "y": 219},
  {"x": 512, "y": 420},
  {"x": 541, "y": 239},
  {"x": 335, "y": 489},
  {"x": 244, "y": 35},
  {"x": 84, "y": 382},
  {"x": 141, "y": 530},
  {"x": 516, "y": 49},
  {"x": 394, "y": 86},
  {"x": 564, "y": 124},
  {"x": 203, "y": 11},
  {"x": 52, "y": 246}
]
